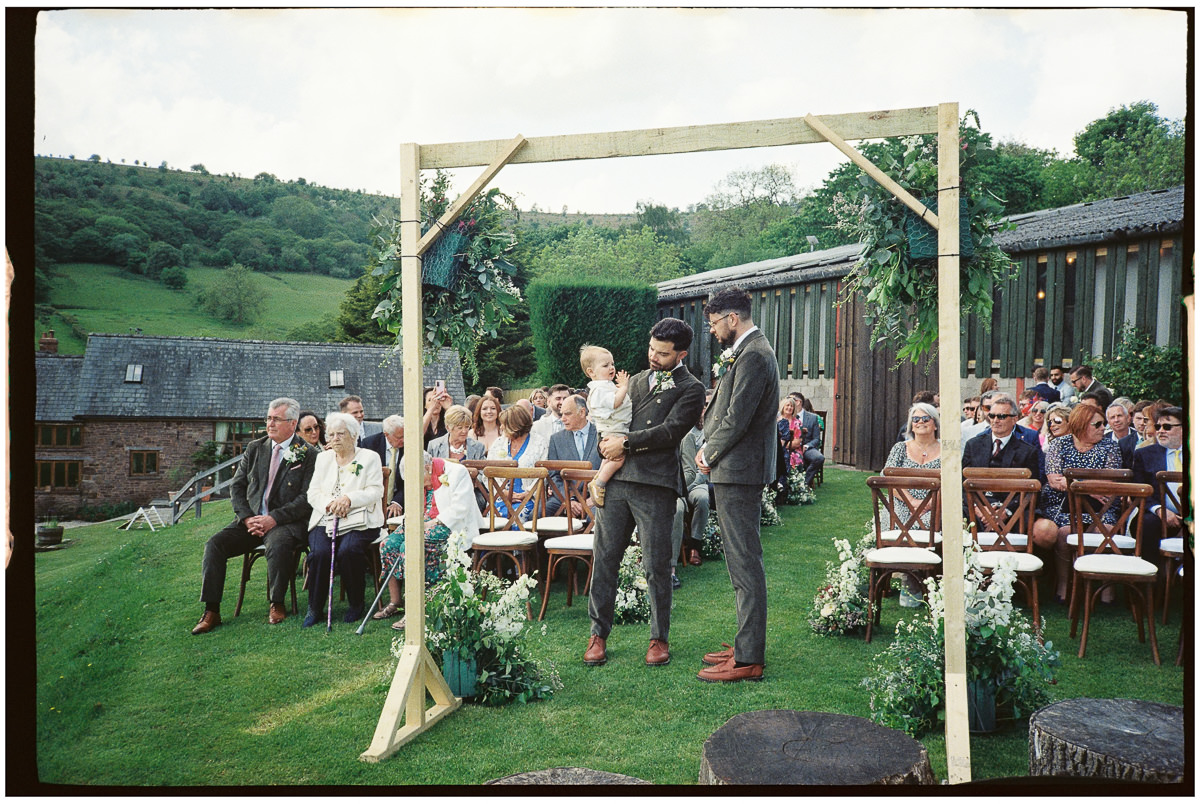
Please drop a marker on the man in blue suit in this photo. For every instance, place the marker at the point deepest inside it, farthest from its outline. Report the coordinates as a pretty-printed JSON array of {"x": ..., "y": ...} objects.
[
  {"x": 576, "y": 442},
  {"x": 1165, "y": 454}
]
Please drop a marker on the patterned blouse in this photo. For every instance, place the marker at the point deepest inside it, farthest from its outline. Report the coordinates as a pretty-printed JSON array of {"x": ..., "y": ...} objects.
[
  {"x": 899, "y": 457},
  {"x": 1061, "y": 454}
]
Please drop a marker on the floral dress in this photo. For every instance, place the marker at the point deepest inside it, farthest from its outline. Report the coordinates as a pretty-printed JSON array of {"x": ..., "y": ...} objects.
[
  {"x": 790, "y": 429},
  {"x": 1061, "y": 454},
  {"x": 435, "y": 546},
  {"x": 899, "y": 457}
]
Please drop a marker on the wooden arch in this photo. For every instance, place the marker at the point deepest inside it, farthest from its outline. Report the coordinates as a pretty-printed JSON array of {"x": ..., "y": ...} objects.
[{"x": 404, "y": 714}]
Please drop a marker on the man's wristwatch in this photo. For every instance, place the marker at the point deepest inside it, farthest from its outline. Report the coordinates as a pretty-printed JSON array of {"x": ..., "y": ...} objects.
[{"x": 625, "y": 446}]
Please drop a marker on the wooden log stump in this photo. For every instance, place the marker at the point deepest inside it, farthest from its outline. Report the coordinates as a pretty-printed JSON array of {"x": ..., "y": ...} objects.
[
  {"x": 1137, "y": 741},
  {"x": 786, "y": 747},
  {"x": 560, "y": 776}
]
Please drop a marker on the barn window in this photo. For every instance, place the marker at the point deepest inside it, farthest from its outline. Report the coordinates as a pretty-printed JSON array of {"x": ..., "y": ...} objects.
[
  {"x": 133, "y": 372},
  {"x": 337, "y": 378}
]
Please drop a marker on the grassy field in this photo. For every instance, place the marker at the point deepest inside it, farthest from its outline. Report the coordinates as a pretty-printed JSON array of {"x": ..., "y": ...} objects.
[
  {"x": 126, "y": 696},
  {"x": 104, "y": 298}
]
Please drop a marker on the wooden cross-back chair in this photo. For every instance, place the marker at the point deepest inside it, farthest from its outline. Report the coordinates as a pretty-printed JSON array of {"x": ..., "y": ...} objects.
[
  {"x": 904, "y": 547},
  {"x": 1109, "y": 562},
  {"x": 509, "y": 537},
  {"x": 997, "y": 472},
  {"x": 910, "y": 471},
  {"x": 577, "y": 545},
  {"x": 556, "y": 524},
  {"x": 1000, "y": 511},
  {"x": 1170, "y": 548}
]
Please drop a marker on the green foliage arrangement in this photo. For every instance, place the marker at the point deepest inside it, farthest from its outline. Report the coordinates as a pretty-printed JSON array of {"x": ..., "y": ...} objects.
[
  {"x": 840, "y": 605},
  {"x": 908, "y": 686},
  {"x": 567, "y": 312},
  {"x": 174, "y": 277},
  {"x": 479, "y": 616},
  {"x": 1138, "y": 368},
  {"x": 482, "y": 295},
  {"x": 900, "y": 291},
  {"x": 798, "y": 492}
]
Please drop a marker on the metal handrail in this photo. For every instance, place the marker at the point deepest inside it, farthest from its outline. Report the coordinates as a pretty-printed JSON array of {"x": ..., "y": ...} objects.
[{"x": 178, "y": 508}]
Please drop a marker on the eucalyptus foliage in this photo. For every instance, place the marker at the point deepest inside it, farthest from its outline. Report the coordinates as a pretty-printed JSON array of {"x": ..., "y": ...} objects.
[
  {"x": 482, "y": 295},
  {"x": 900, "y": 291}
]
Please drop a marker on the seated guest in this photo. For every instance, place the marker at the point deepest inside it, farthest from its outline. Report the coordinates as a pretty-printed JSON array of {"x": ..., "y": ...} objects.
[
  {"x": 696, "y": 500},
  {"x": 789, "y": 432},
  {"x": 988, "y": 384},
  {"x": 449, "y": 508},
  {"x": 495, "y": 392},
  {"x": 1166, "y": 454},
  {"x": 925, "y": 397},
  {"x": 1095, "y": 399},
  {"x": 1056, "y": 422},
  {"x": 969, "y": 408},
  {"x": 1045, "y": 391},
  {"x": 1084, "y": 448},
  {"x": 518, "y": 444},
  {"x": 1035, "y": 420},
  {"x": 577, "y": 442},
  {"x": 539, "y": 401},
  {"x": 1121, "y": 431},
  {"x": 345, "y": 495},
  {"x": 311, "y": 429},
  {"x": 486, "y": 424},
  {"x": 270, "y": 503},
  {"x": 1085, "y": 383},
  {"x": 472, "y": 403},
  {"x": 981, "y": 420},
  {"x": 436, "y": 404},
  {"x": 550, "y": 424},
  {"x": 389, "y": 446},
  {"x": 810, "y": 428},
  {"x": 921, "y": 449},
  {"x": 457, "y": 445},
  {"x": 999, "y": 447},
  {"x": 1141, "y": 423}
]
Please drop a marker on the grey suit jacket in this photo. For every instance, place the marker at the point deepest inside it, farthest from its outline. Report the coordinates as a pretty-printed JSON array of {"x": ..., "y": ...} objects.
[
  {"x": 440, "y": 448},
  {"x": 288, "y": 503},
  {"x": 660, "y": 422},
  {"x": 692, "y": 476},
  {"x": 562, "y": 448},
  {"x": 810, "y": 422},
  {"x": 739, "y": 425}
]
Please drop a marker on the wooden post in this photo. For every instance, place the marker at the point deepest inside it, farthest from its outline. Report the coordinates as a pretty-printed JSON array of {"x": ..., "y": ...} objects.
[{"x": 958, "y": 743}]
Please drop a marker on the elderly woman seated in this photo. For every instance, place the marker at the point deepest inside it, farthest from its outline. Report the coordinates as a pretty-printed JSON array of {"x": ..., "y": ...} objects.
[
  {"x": 346, "y": 497},
  {"x": 449, "y": 508},
  {"x": 457, "y": 445}
]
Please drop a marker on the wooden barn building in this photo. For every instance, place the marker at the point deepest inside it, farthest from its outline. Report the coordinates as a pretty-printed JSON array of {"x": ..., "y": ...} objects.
[
  {"x": 1082, "y": 271},
  {"x": 121, "y": 422}
]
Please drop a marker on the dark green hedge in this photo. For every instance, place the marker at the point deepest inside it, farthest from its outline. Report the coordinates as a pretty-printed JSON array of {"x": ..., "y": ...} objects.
[{"x": 566, "y": 313}]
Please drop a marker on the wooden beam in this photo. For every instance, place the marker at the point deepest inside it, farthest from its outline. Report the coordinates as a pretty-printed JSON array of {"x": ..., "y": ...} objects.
[
  {"x": 451, "y": 214},
  {"x": 874, "y": 172},
  {"x": 415, "y": 665},
  {"x": 685, "y": 139},
  {"x": 958, "y": 738}
]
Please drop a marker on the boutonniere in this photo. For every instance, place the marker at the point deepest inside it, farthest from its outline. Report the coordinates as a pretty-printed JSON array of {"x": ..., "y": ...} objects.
[
  {"x": 444, "y": 479},
  {"x": 295, "y": 452},
  {"x": 355, "y": 468},
  {"x": 722, "y": 365},
  {"x": 663, "y": 381}
]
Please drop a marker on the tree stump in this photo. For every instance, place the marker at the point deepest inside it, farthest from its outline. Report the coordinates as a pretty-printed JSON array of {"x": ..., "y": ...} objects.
[
  {"x": 786, "y": 747},
  {"x": 1136, "y": 741},
  {"x": 560, "y": 776}
]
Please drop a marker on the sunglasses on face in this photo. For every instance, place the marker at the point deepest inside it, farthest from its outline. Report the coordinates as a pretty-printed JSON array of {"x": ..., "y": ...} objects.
[
  {"x": 1056, "y": 421},
  {"x": 921, "y": 419},
  {"x": 1038, "y": 410},
  {"x": 312, "y": 429},
  {"x": 1166, "y": 426},
  {"x": 1001, "y": 416},
  {"x": 1098, "y": 425}
]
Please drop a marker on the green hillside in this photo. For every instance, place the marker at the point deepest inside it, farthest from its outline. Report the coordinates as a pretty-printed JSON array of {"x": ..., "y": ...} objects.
[{"x": 88, "y": 297}]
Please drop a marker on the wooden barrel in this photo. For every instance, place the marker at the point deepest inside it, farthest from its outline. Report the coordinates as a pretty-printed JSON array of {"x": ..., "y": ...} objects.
[
  {"x": 1136, "y": 741},
  {"x": 786, "y": 747}
]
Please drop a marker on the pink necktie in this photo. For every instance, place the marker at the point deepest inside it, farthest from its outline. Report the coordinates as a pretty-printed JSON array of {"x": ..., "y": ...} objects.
[{"x": 271, "y": 475}]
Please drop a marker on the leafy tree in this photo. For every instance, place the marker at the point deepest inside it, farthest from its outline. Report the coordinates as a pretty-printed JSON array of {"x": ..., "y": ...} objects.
[
  {"x": 510, "y": 356},
  {"x": 94, "y": 158},
  {"x": 159, "y": 257},
  {"x": 199, "y": 168},
  {"x": 355, "y": 323},
  {"x": 1140, "y": 369},
  {"x": 635, "y": 256},
  {"x": 235, "y": 296},
  {"x": 174, "y": 277},
  {"x": 299, "y": 215},
  {"x": 668, "y": 225}
]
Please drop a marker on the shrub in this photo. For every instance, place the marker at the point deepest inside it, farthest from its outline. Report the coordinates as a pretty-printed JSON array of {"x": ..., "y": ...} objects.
[
  {"x": 567, "y": 312},
  {"x": 174, "y": 277},
  {"x": 1139, "y": 369}
]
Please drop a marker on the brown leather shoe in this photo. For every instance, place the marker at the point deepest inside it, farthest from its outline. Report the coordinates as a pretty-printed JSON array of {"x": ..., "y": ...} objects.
[
  {"x": 208, "y": 622},
  {"x": 277, "y": 614},
  {"x": 595, "y": 653},
  {"x": 719, "y": 656},
  {"x": 658, "y": 654},
  {"x": 694, "y": 558},
  {"x": 727, "y": 672}
]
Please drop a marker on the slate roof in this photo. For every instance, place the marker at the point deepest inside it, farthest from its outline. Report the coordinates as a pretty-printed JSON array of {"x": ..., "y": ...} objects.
[
  {"x": 222, "y": 379},
  {"x": 57, "y": 386},
  {"x": 1110, "y": 219}
]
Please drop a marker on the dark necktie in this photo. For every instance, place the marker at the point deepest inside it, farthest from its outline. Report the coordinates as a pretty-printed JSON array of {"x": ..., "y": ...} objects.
[{"x": 996, "y": 449}]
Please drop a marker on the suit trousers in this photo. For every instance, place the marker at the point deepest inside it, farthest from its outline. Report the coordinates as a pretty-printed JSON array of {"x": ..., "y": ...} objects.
[
  {"x": 813, "y": 461},
  {"x": 281, "y": 544},
  {"x": 697, "y": 503},
  {"x": 652, "y": 509},
  {"x": 739, "y": 513},
  {"x": 352, "y": 549}
]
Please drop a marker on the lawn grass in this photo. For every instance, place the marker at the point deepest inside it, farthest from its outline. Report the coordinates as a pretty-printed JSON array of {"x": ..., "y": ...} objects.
[
  {"x": 105, "y": 298},
  {"x": 126, "y": 696}
]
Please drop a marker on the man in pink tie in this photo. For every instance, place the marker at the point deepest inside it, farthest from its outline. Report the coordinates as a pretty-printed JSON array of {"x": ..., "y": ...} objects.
[{"x": 270, "y": 501}]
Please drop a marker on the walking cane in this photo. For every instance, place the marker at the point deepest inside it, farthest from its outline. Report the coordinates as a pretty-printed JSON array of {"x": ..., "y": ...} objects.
[
  {"x": 332, "y": 557},
  {"x": 379, "y": 595}
]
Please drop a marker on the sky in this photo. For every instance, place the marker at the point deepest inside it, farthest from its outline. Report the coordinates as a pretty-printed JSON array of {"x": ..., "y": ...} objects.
[{"x": 329, "y": 94}]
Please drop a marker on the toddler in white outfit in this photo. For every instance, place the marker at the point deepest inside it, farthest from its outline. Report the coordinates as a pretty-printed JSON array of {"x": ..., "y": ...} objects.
[{"x": 608, "y": 407}]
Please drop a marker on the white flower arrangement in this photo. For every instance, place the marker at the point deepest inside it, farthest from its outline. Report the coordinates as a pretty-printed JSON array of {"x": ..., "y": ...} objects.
[
  {"x": 723, "y": 364},
  {"x": 840, "y": 606},
  {"x": 633, "y": 592},
  {"x": 710, "y": 540},
  {"x": 770, "y": 516},
  {"x": 798, "y": 491},
  {"x": 295, "y": 452}
]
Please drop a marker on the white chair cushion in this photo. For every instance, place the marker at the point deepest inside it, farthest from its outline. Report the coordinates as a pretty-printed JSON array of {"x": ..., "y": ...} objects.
[
  {"x": 1172, "y": 545},
  {"x": 556, "y": 524},
  {"x": 987, "y": 538},
  {"x": 1112, "y": 564},
  {"x": 395, "y": 521},
  {"x": 1023, "y": 562},
  {"x": 504, "y": 538},
  {"x": 1093, "y": 540},
  {"x": 903, "y": 555},
  {"x": 918, "y": 536},
  {"x": 577, "y": 541}
]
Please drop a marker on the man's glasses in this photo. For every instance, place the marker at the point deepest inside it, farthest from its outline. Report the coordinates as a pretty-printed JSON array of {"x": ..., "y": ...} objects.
[
  {"x": 921, "y": 419},
  {"x": 1001, "y": 416},
  {"x": 716, "y": 321},
  {"x": 276, "y": 420},
  {"x": 1166, "y": 426}
]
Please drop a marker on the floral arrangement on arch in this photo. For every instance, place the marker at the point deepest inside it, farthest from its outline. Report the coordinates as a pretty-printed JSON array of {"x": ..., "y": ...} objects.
[
  {"x": 633, "y": 592},
  {"x": 798, "y": 492},
  {"x": 481, "y": 295},
  {"x": 908, "y": 686},
  {"x": 840, "y": 605},
  {"x": 770, "y": 515},
  {"x": 479, "y": 615}
]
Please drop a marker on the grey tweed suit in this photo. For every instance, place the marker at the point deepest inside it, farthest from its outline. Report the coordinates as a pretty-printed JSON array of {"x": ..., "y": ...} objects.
[
  {"x": 739, "y": 446},
  {"x": 643, "y": 493}
]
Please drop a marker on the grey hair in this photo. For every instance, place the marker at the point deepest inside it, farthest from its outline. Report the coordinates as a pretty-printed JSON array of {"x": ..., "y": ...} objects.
[
  {"x": 1124, "y": 402},
  {"x": 580, "y": 401},
  {"x": 393, "y": 423},
  {"x": 344, "y": 419},
  {"x": 925, "y": 409},
  {"x": 990, "y": 395},
  {"x": 1002, "y": 398},
  {"x": 293, "y": 407},
  {"x": 427, "y": 463}
]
